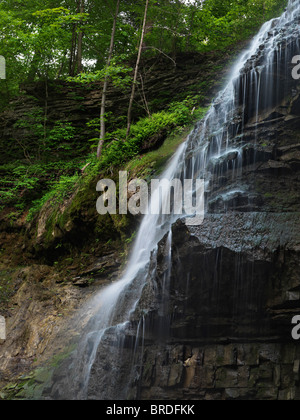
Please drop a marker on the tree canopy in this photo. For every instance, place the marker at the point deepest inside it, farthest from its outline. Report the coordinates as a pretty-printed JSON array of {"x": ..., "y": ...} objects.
[{"x": 60, "y": 38}]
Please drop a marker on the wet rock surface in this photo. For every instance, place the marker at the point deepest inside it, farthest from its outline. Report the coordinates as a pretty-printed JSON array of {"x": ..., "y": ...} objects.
[{"x": 225, "y": 332}]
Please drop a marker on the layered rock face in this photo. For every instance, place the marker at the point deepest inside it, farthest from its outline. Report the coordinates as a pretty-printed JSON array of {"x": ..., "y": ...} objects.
[
  {"x": 215, "y": 318},
  {"x": 234, "y": 287},
  {"x": 163, "y": 81}
]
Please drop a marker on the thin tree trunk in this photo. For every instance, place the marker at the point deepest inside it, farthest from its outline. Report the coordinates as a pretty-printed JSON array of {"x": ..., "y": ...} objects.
[
  {"x": 191, "y": 26},
  {"x": 73, "y": 52},
  {"x": 136, "y": 70},
  {"x": 143, "y": 95},
  {"x": 34, "y": 67},
  {"x": 105, "y": 85},
  {"x": 61, "y": 69},
  {"x": 80, "y": 38},
  {"x": 46, "y": 111},
  {"x": 79, "y": 53}
]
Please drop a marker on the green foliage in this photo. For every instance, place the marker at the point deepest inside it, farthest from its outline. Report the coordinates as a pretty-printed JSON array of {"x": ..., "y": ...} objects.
[
  {"x": 38, "y": 38},
  {"x": 60, "y": 137},
  {"x": 223, "y": 22},
  {"x": 119, "y": 74},
  {"x": 21, "y": 184},
  {"x": 32, "y": 121},
  {"x": 61, "y": 190},
  {"x": 33, "y": 39},
  {"x": 119, "y": 149},
  {"x": 47, "y": 140}
]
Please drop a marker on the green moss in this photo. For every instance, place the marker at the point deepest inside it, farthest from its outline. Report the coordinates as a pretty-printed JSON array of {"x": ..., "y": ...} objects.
[
  {"x": 32, "y": 385},
  {"x": 146, "y": 165}
]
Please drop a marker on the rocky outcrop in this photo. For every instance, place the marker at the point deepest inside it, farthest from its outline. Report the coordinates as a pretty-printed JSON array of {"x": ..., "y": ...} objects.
[
  {"x": 223, "y": 328},
  {"x": 230, "y": 310}
]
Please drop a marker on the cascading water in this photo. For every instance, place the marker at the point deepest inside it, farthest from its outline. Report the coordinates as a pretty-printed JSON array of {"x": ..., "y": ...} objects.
[{"x": 216, "y": 145}]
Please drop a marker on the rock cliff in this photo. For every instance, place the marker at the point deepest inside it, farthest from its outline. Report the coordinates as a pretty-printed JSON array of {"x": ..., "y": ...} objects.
[{"x": 222, "y": 329}]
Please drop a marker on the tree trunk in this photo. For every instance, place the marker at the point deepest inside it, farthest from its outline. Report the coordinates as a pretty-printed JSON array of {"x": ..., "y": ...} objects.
[
  {"x": 136, "y": 70},
  {"x": 73, "y": 52},
  {"x": 80, "y": 38},
  {"x": 191, "y": 25},
  {"x": 105, "y": 85},
  {"x": 34, "y": 67},
  {"x": 79, "y": 53}
]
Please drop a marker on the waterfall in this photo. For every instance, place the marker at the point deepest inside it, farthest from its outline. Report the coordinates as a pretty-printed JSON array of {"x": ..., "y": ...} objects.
[{"x": 216, "y": 145}]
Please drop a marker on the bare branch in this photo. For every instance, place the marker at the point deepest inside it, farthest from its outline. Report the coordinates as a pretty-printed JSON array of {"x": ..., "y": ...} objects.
[{"x": 161, "y": 52}]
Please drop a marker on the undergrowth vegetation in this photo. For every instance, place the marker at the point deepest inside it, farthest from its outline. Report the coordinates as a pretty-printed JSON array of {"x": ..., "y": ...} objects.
[{"x": 39, "y": 178}]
